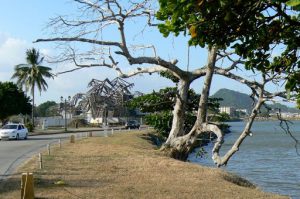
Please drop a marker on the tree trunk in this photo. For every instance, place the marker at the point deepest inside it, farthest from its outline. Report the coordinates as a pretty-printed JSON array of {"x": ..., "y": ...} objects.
[
  {"x": 203, "y": 103},
  {"x": 178, "y": 145},
  {"x": 179, "y": 111}
]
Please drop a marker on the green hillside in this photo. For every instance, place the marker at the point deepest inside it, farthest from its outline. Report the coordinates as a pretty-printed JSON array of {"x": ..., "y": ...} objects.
[
  {"x": 243, "y": 101},
  {"x": 234, "y": 99}
]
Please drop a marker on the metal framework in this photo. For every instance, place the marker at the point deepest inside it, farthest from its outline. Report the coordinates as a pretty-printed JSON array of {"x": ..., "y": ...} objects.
[{"x": 104, "y": 98}]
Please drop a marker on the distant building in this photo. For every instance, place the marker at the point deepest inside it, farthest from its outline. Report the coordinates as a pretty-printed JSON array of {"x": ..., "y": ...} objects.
[
  {"x": 242, "y": 110},
  {"x": 286, "y": 115},
  {"x": 227, "y": 109}
]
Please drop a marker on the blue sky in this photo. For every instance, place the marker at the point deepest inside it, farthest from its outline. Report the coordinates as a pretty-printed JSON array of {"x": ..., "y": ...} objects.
[{"x": 24, "y": 21}]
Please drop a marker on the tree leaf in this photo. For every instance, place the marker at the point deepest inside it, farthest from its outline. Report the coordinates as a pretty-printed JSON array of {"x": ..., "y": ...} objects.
[
  {"x": 293, "y": 2},
  {"x": 193, "y": 31}
]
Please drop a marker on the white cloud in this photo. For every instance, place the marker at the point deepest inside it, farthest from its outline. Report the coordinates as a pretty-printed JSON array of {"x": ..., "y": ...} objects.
[{"x": 11, "y": 53}]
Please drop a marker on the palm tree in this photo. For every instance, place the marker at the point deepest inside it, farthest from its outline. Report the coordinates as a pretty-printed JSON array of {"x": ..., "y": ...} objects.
[{"x": 32, "y": 75}]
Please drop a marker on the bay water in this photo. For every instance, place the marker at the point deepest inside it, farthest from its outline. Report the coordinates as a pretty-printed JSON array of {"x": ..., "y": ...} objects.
[{"x": 268, "y": 158}]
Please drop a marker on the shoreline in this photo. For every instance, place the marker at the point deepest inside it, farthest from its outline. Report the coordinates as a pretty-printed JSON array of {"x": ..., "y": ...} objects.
[{"x": 127, "y": 165}]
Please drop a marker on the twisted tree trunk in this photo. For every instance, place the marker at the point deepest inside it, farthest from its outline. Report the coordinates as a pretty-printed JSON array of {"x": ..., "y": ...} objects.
[
  {"x": 219, "y": 160},
  {"x": 179, "y": 111},
  {"x": 179, "y": 145}
]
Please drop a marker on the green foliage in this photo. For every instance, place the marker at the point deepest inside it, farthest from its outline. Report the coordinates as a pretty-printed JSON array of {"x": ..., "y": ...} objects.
[
  {"x": 32, "y": 74},
  {"x": 155, "y": 101},
  {"x": 13, "y": 101},
  {"x": 294, "y": 3},
  {"x": 29, "y": 126},
  {"x": 46, "y": 109},
  {"x": 223, "y": 22},
  {"x": 159, "y": 106},
  {"x": 162, "y": 122},
  {"x": 220, "y": 117},
  {"x": 252, "y": 28},
  {"x": 211, "y": 22},
  {"x": 202, "y": 153},
  {"x": 169, "y": 75},
  {"x": 164, "y": 100}
]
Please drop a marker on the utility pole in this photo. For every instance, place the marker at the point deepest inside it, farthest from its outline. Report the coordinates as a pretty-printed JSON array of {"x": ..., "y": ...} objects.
[{"x": 64, "y": 101}]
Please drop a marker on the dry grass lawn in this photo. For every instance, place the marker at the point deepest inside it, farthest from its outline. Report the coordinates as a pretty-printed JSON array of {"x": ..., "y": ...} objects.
[{"x": 125, "y": 165}]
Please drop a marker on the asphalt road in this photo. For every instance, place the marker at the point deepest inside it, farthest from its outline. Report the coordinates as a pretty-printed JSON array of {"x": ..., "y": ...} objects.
[{"x": 15, "y": 152}]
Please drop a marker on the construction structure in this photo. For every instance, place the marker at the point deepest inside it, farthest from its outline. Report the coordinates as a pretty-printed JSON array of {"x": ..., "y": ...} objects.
[{"x": 104, "y": 102}]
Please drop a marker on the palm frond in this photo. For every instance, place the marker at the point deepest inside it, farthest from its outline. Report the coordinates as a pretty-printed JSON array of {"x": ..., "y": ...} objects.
[{"x": 32, "y": 74}]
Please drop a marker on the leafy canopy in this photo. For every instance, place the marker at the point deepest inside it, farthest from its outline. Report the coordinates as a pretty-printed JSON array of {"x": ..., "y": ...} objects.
[
  {"x": 265, "y": 33},
  {"x": 13, "y": 101},
  {"x": 159, "y": 106},
  {"x": 222, "y": 22},
  {"x": 46, "y": 109}
]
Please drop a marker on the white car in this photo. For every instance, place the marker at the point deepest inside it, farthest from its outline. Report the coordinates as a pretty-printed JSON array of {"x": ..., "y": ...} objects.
[{"x": 13, "y": 131}]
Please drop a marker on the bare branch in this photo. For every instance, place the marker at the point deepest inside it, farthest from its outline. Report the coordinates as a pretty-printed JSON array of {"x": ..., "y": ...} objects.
[
  {"x": 284, "y": 125},
  {"x": 149, "y": 14},
  {"x": 149, "y": 70},
  {"x": 251, "y": 84},
  {"x": 86, "y": 2},
  {"x": 224, "y": 54},
  {"x": 72, "y": 39},
  {"x": 218, "y": 160}
]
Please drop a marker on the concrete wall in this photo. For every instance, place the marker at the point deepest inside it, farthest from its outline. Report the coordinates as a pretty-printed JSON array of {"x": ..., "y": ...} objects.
[{"x": 52, "y": 121}]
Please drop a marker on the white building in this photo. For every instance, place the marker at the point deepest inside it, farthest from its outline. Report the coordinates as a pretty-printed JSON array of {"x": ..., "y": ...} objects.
[
  {"x": 242, "y": 110},
  {"x": 227, "y": 109}
]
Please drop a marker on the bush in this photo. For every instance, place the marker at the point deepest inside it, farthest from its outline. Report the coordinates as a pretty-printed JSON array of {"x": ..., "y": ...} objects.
[
  {"x": 29, "y": 126},
  {"x": 162, "y": 122},
  {"x": 78, "y": 123}
]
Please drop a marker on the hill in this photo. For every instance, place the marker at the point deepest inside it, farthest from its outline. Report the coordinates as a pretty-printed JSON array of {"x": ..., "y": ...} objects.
[
  {"x": 243, "y": 101},
  {"x": 234, "y": 99}
]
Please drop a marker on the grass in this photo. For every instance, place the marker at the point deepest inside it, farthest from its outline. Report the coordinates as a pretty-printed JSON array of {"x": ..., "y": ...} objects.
[{"x": 126, "y": 165}]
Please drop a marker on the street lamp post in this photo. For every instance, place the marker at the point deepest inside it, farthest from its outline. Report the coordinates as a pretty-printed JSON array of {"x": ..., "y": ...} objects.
[
  {"x": 64, "y": 102},
  {"x": 104, "y": 122}
]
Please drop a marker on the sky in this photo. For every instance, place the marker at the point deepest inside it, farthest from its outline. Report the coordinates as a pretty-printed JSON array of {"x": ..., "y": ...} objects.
[{"x": 22, "y": 22}]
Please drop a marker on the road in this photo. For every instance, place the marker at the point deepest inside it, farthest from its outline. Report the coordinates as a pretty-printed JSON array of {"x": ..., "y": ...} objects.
[{"x": 15, "y": 152}]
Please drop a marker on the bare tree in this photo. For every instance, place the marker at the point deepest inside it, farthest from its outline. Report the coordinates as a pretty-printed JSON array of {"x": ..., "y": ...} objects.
[{"x": 98, "y": 18}]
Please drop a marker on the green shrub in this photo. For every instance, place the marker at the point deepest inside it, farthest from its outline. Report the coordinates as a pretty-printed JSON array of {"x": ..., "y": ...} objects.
[
  {"x": 29, "y": 126},
  {"x": 78, "y": 123}
]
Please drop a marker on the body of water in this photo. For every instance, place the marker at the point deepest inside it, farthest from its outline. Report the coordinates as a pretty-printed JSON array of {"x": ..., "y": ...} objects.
[{"x": 268, "y": 158}]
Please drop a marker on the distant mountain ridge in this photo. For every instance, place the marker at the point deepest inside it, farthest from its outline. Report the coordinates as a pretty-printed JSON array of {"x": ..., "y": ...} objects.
[{"x": 243, "y": 101}]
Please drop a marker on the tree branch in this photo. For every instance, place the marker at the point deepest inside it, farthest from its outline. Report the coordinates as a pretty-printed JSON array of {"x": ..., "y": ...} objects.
[
  {"x": 218, "y": 160},
  {"x": 84, "y": 40}
]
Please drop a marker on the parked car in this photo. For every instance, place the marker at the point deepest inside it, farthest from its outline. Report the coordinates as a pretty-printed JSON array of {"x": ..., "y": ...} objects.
[
  {"x": 132, "y": 124},
  {"x": 13, "y": 131}
]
